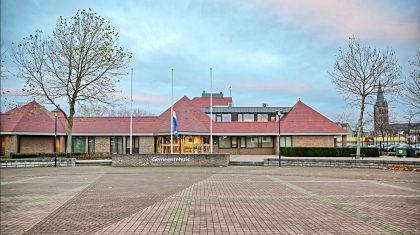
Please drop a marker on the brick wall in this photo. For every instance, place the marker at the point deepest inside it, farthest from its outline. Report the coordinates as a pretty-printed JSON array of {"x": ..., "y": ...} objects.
[
  {"x": 102, "y": 144},
  {"x": 313, "y": 141},
  {"x": 146, "y": 144},
  {"x": 247, "y": 151},
  {"x": 11, "y": 144},
  {"x": 36, "y": 144},
  {"x": 170, "y": 160}
]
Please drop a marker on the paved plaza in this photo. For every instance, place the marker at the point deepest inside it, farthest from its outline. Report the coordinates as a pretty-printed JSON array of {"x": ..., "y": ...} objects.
[{"x": 225, "y": 200}]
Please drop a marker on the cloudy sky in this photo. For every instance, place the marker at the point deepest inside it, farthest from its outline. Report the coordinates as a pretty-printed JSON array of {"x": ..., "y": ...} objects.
[{"x": 272, "y": 51}]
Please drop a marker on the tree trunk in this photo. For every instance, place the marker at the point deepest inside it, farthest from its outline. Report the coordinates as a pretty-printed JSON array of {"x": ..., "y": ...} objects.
[
  {"x": 69, "y": 134},
  {"x": 359, "y": 127},
  {"x": 70, "y": 128}
]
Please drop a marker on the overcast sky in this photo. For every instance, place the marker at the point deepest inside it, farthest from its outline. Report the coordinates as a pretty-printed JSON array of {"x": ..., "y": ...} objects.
[{"x": 272, "y": 51}]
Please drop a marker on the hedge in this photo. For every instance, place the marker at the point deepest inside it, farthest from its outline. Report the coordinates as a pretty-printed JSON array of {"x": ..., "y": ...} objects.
[
  {"x": 327, "y": 152},
  {"x": 61, "y": 155}
]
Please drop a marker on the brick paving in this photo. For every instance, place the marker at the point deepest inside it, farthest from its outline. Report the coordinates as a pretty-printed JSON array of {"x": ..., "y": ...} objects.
[{"x": 230, "y": 200}]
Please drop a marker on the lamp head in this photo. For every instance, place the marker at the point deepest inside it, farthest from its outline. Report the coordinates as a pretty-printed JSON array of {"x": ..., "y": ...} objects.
[{"x": 55, "y": 114}]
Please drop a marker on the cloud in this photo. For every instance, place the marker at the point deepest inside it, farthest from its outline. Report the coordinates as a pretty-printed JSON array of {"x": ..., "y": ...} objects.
[
  {"x": 284, "y": 88},
  {"x": 150, "y": 99},
  {"x": 332, "y": 18}
]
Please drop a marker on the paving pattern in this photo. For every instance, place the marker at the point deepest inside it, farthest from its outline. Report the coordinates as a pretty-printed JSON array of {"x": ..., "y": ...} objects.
[{"x": 231, "y": 200}]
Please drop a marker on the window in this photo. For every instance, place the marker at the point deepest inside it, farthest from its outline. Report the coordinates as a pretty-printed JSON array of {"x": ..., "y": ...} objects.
[
  {"x": 243, "y": 142},
  {"x": 286, "y": 141},
  {"x": 91, "y": 144},
  {"x": 78, "y": 144},
  {"x": 225, "y": 142},
  {"x": 135, "y": 144},
  {"x": 226, "y": 117},
  {"x": 213, "y": 118},
  {"x": 267, "y": 142},
  {"x": 262, "y": 117},
  {"x": 218, "y": 117},
  {"x": 245, "y": 117},
  {"x": 234, "y": 142},
  {"x": 116, "y": 144},
  {"x": 256, "y": 142},
  {"x": 272, "y": 117},
  {"x": 252, "y": 141},
  {"x": 222, "y": 117}
]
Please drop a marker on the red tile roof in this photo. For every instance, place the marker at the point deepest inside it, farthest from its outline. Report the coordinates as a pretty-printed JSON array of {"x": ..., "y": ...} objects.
[
  {"x": 190, "y": 118},
  {"x": 304, "y": 119},
  {"x": 34, "y": 118},
  {"x": 31, "y": 117},
  {"x": 301, "y": 119},
  {"x": 217, "y": 101}
]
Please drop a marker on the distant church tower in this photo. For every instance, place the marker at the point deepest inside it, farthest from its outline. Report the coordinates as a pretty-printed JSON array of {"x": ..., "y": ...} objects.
[{"x": 380, "y": 112}]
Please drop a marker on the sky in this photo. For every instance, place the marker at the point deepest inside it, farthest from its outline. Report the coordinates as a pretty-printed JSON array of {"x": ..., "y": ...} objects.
[{"x": 272, "y": 51}]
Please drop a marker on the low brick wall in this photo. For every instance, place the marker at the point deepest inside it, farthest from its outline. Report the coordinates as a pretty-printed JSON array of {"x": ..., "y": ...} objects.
[
  {"x": 350, "y": 163},
  {"x": 170, "y": 160},
  {"x": 22, "y": 163}
]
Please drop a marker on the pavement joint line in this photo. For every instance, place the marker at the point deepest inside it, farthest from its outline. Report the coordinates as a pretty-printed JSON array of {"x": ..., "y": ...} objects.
[
  {"x": 43, "y": 200},
  {"x": 22, "y": 181},
  {"x": 355, "y": 213},
  {"x": 393, "y": 186},
  {"x": 179, "y": 215}
]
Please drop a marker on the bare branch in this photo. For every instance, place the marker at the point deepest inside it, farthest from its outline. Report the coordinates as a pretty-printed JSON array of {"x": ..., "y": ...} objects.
[{"x": 79, "y": 62}]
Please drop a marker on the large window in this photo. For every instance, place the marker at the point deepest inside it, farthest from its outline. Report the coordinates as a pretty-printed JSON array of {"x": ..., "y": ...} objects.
[
  {"x": 252, "y": 141},
  {"x": 272, "y": 117},
  {"x": 135, "y": 144},
  {"x": 286, "y": 141},
  {"x": 234, "y": 142},
  {"x": 91, "y": 144},
  {"x": 226, "y": 117},
  {"x": 225, "y": 142},
  {"x": 245, "y": 117},
  {"x": 78, "y": 144},
  {"x": 116, "y": 144},
  {"x": 243, "y": 142},
  {"x": 267, "y": 142},
  {"x": 222, "y": 117},
  {"x": 261, "y": 117},
  {"x": 256, "y": 142}
]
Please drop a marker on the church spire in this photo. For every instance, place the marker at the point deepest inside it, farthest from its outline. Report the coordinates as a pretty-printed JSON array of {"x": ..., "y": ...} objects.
[{"x": 380, "y": 100}]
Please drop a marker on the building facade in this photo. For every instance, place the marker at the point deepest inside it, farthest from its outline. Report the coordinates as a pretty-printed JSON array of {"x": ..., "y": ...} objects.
[{"x": 236, "y": 130}]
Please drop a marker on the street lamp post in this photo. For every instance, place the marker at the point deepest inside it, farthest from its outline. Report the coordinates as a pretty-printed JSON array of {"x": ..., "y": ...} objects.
[
  {"x": 55, "y": 139},
  {"x": 279, "y": 114}
]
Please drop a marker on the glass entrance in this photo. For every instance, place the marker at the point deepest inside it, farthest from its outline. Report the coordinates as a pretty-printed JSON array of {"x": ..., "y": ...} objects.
[{"x": 183, "y": 144}]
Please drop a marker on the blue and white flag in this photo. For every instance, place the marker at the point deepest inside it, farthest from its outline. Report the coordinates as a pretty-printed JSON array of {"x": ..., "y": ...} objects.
[{"x": 175, "y": 123}]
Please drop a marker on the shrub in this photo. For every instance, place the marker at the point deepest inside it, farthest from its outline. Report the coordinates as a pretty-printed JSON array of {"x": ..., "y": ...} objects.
[
  {"x": 61, "y": 155},
  {"x": 327, "y": 152}
]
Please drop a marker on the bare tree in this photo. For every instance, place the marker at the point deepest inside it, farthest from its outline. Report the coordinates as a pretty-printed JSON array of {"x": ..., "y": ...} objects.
[
  {"x": 100, "y": 110},
  {"x": 79, "y": 62},
  {"x": 357, "y": 72},
  {"x": 413, "y": 83}
]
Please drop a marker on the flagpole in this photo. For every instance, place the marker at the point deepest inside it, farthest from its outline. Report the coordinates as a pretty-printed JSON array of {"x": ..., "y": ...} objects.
[
  {"x": 172, "y": 111},
  {"x": 211, "y": 112},
  {"x": 131, "y": 114}
]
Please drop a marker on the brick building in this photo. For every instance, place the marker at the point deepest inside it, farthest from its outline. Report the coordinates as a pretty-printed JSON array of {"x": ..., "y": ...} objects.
[{"x": 236, "y": 130}]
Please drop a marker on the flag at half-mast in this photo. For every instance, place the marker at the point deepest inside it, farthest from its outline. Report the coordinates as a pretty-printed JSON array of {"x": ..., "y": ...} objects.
[{"x": 175, "y": 123}]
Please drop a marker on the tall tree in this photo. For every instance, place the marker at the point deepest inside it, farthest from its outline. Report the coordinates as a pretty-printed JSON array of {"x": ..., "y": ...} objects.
[
  {"x": 357, "y": 72},
  {"x": 79, "y": 62},
  {"x": 102, "y": 110},
  {"x": 413, "y": 83}
]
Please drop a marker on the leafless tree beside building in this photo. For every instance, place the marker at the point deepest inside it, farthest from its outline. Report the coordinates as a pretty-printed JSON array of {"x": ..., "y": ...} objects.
[
  {"x": 79, "y": 62},
  {"x": 358, "y": 71}
]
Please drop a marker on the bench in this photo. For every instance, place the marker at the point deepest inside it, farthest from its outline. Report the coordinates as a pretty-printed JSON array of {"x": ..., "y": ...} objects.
[{"x": 353, "y": 155}]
